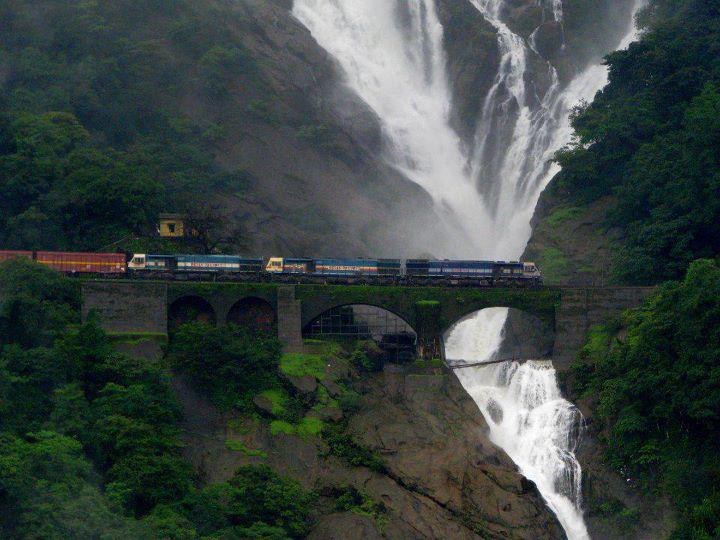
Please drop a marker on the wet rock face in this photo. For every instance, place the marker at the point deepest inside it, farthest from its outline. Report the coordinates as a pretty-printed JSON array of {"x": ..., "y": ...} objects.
[
  {"x": 610, "y": 498},
  {"x": 472, "y": 57},
  {"x": 435, "y": 443},
  {"x": 301, "y": 141},
  {"x": 443, "y": 478}
]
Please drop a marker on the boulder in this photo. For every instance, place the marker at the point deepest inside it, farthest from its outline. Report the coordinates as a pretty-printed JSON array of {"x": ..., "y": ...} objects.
[
  {"x": 264, "y": 404},
  {"x": 306, "y": 385}
]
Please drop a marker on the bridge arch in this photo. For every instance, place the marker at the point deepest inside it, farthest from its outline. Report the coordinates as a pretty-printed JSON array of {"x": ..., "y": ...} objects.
[
  {"x": 190, "y": 308},
  {"x": 395, "y": 335},
  {"x": 252, "y": 312},
  {"x": 514, "y": 333}
]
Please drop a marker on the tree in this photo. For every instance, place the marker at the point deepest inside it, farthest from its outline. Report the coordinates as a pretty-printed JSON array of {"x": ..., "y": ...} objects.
[
  {"x": 255, "y": 503},
  {"x": 659, "y": 395},
  {"x": 231, "y": 363}
]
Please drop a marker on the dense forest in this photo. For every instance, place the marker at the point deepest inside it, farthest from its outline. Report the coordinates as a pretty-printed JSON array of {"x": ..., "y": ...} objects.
[
  {"x": 651, "y": 140},
  {"x": 90, "y": 148},
  {"x": 90, "y": 438},
  {"x": 654, "y": 377}
]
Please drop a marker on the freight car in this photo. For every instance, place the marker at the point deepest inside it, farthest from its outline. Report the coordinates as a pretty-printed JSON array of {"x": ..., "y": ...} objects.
[
  {"x": 107, "y": 264},
  {"x": 8, "y": 254}
]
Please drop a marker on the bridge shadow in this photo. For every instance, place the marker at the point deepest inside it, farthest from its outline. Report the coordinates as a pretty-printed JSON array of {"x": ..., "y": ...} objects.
[
  {"x": 252, "y": 313},
  {"x": 190, "y": 309}
]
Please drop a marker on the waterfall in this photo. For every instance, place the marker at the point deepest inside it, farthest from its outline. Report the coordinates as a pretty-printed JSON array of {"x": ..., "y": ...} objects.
[
  {"x": 392, "y": 56},
  {"x": 526, "y": 414}
]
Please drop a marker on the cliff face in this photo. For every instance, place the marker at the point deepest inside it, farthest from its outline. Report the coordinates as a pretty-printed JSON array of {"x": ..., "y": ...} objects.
[
  {"x": 572, "y": 244},
  {"x": 442, "y": 477},
  {"x": 305, "y": 142}
]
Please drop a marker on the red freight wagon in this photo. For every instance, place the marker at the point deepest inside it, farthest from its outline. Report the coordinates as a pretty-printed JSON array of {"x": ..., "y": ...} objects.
[
  {"x": 94, "y": 263},
  {"x": 5, "y": 255}
]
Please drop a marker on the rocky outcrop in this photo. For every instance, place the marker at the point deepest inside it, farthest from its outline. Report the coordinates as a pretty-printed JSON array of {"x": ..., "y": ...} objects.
[
  {"x": 435, "y": 443},
  {"x": 572, "y": 244},
  {"x": 472, "y": 57},
  {"x": 617, "y": 509},
  {"x": 442, "y": 477}
]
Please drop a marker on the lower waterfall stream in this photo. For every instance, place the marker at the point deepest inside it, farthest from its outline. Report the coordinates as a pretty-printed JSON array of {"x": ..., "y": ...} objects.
[
  {"x": 526, "y": 414},
  {"x": 392, "y": 56}
]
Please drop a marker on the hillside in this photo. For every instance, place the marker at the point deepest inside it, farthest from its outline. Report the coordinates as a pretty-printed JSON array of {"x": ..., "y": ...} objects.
[
  {"x": 637, "y": 199},
  {"x": 229, "y": 112}
]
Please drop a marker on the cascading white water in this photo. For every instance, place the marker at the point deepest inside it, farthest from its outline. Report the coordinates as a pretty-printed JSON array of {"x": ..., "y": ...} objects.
[
  {"x": 526, "y": 414},
  {"x": 392, "y": 55},
  {"x": 393, "y": 58}
]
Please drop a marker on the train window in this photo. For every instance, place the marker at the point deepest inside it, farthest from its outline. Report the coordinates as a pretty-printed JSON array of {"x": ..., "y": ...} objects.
[{"x": 505, "y": 270}]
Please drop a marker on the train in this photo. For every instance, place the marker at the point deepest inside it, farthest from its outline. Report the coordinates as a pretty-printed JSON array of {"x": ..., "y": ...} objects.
[{"x": 292, "y": 270}]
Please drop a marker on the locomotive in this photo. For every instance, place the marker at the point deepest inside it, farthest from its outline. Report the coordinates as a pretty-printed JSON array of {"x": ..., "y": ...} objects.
[
  {"x": 343, "y": 270},
  {"x": 291, "y": 270}
]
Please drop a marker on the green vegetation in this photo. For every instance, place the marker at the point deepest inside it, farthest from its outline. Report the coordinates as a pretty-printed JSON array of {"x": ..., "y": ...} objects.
[
  {"x": 239, "y": 446},
  {"x": 554, "y": 264},
  {"x": 352, "y": 500},
  {"x": 90, "y": 438},
  {"x": 650, "y": 138},
  {"x": 614, "y": 512},
  {"x": 367, "y": 357},
  {"x": 279, "y": 399},
  {"x": 307, "y": 427},
  {"x": 658, "y": 392},
  {"x": 300, "y": 365},
  {"x": 230, "y": 363},
  {"x": 563, "y": 215},
  {"x": 93, "y": 137},
  {"x": 255, "y": 503},
  {"x": 342, "y": 445}
]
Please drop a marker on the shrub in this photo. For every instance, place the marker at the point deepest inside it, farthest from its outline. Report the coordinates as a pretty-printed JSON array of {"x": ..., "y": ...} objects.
[
  {"x": 342, "y": 445},
  {"x": 230, "y": 363}
]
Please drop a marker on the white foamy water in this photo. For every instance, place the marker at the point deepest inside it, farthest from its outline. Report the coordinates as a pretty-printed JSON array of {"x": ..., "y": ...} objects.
[
  {"x": 526, "y": 414},
  {"x": 392, "y": 56}
]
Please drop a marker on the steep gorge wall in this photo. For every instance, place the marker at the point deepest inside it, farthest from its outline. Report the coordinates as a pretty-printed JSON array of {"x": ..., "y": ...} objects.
[
  {"x": 444, "y": 478},
  {"x": 327, "y": 146}
]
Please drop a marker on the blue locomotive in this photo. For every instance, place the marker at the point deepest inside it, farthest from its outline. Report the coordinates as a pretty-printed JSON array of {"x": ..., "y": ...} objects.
[{"x": 338, "y": 270}]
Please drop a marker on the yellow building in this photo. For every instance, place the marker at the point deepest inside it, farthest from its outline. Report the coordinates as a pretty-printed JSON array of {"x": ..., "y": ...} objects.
[{"x": 171, "y": 225}]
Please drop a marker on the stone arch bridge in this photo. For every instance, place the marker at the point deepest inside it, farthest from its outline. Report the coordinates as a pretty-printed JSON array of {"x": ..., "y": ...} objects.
[{"x": 141, "y": 308}]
